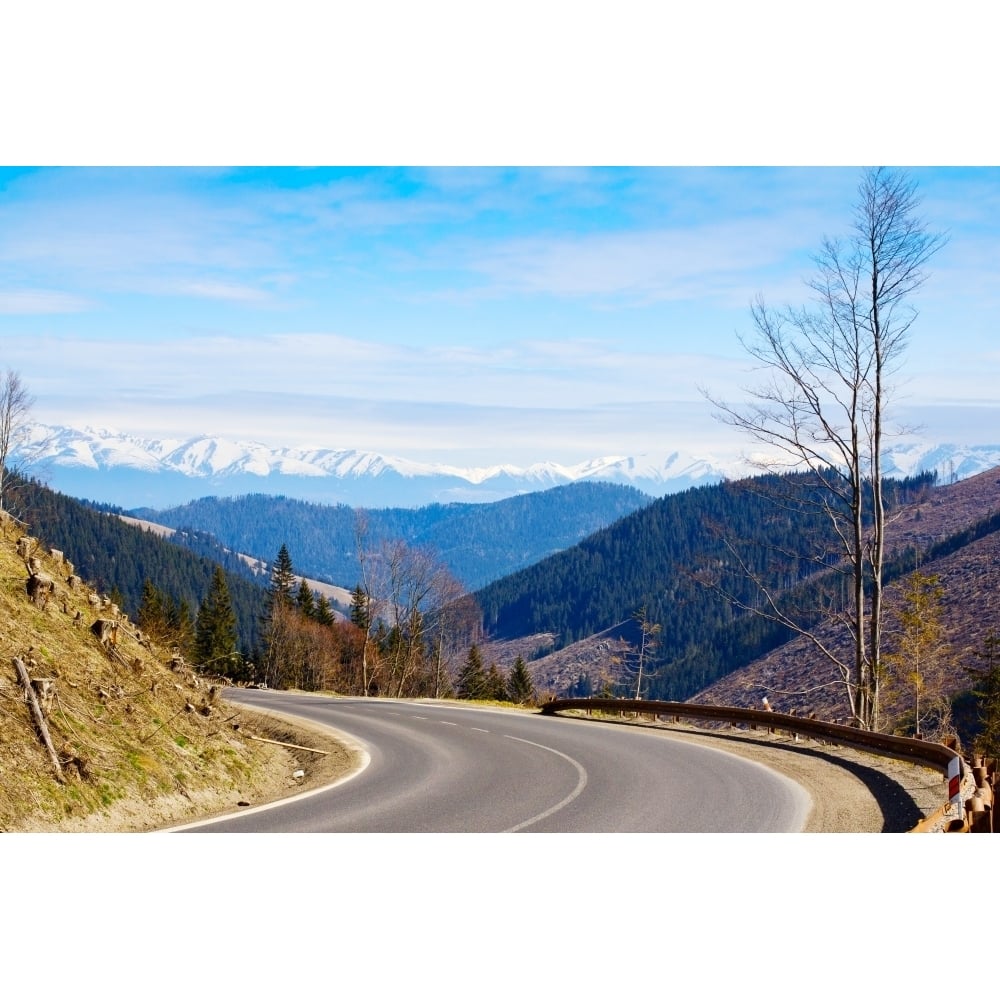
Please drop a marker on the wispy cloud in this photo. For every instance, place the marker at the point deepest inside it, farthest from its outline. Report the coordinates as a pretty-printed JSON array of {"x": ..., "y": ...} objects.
[
  {"x": 222, "y": 290},
  {"x": 37, "y": 302},
  {"x": 725, "y": 262}
]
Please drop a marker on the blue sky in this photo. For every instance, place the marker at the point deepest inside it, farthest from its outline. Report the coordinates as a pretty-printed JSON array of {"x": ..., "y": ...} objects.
[
  {"x": 469, "y": 315},
  {"x": 474, "y": 314}
]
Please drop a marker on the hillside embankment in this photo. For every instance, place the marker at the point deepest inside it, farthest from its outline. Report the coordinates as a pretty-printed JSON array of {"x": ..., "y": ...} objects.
[{"x": 111, "y": 732}]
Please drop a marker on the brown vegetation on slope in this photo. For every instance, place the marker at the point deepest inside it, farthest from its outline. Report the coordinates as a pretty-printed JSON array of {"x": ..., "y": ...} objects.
[
  {"x": 601, "y": 657},
  {"x": 139, "y": 739},
  {"x": 796, "y": 678}
]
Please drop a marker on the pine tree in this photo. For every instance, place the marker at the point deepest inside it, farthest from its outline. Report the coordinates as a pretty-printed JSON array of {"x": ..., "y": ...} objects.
[
  {"x": 520, "y": 686},
  {"x": 986, "y": 689},
  {"x": 215, "y": 628},
  {"x": 472, "y": 679},
  {"x": 324, "y": 613},
  {"x": 282, "y": 578},
  {"x": 153, "y": 610},
  {"x": 279, "y": 606},
  {"x": 496, "y": 685},
  {"x": 360, "y": 609},
  {"x": 305, "y": 601},
  {"x": 181, "y": 626},
  {"x": 117, "y": 597}
]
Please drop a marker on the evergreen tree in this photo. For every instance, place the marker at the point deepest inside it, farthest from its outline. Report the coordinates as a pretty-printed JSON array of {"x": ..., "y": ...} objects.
[
  {"x": 323, "y": 612},
  {"x": 986, "y": 690},
  {"x": 472, "y": 679},
  {"x": 305, "y": 601},
  {"x": 520, "y": 686},
  {"x": 215, "y": 628},
  {"x": 117, "y": 597},
  {"x": 360, "y": 609},
  {"x": 153, "y": 611},
  {"x": 496, "y": 685},
  {"x": 181, "y": 626},
  {"x": 279, "y": 608},
  {"x": 282, "y": 579}
]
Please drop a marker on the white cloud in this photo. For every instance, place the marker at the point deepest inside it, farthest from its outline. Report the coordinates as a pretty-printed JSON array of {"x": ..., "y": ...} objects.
[
  {"x": 35, "y": 302},
  {"x": 226, "y": 291},
  {"x": 721, "y": 261}
]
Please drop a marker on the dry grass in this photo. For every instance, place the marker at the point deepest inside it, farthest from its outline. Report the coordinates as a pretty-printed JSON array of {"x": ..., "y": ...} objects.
[{"x": 140, "y": 743}]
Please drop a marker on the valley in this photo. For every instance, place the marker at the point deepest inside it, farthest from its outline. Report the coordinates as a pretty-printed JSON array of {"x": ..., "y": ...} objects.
[{"x": 569, "y": 614}]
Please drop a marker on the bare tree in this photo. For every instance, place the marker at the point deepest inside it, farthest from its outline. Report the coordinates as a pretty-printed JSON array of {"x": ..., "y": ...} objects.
[
  {"x": 455, "y": 622},
  {"x": 15, "y": 412},
  {"x": 823, "y": 408},
  {"x": 648, "y": 631},
  {"x": 367, "y": 612},
  {"x": 411, "y": 610}
]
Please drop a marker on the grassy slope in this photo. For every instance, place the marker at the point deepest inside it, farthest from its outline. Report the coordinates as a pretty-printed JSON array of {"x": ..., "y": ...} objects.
[{"x": 142, "y": 742}]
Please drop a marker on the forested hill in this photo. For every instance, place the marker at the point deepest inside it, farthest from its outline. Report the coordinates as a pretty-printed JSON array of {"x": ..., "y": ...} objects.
[
  {"x": 477, "y": 542},
  {"x": 659, "y": 559},
  {"x": 114, "y": 556}
]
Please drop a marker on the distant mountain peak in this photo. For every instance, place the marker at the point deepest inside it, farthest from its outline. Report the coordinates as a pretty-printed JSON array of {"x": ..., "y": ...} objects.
[{"x": 119, "y": 467}]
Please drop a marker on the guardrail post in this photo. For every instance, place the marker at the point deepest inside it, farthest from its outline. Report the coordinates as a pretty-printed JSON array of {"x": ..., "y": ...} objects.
[{"x": 979, "y": 818}]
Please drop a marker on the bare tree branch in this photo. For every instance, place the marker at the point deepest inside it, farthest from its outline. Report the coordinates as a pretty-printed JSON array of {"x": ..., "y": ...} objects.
[{"x": 822, "y": 407}]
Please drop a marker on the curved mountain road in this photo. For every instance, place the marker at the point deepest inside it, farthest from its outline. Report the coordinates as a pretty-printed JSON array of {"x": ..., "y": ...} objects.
[{"x": 445, "y": 767}]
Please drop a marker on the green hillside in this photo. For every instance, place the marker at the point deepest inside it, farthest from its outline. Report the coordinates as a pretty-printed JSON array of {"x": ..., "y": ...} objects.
[
  {"x": 477, "y": 542},
  {"x": 672, "y": 558},
  {"x": 114, "y": 556}
]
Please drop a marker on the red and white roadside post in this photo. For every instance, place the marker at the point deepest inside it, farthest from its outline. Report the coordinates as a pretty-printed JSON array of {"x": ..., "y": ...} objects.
[{"x": 955, "y": 785}]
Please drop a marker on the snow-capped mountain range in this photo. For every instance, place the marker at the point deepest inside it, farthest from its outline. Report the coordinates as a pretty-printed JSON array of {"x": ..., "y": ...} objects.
[{"x": 130, "y": 471}]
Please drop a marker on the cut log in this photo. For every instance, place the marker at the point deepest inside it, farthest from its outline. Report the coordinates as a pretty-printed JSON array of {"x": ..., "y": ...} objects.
[
  {"x": 40, "y": 588},
  {"x": 38, "y": 716},
  {"x": 106, "y": 631}
]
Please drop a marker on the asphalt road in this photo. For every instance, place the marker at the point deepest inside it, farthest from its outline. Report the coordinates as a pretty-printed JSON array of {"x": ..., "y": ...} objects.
[{"x": 445, "y": 767}]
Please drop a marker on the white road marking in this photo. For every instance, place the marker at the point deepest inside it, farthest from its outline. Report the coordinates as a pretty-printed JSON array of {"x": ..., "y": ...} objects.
[
  {"x": 478, "y": 730},
  {"x": 448, "y": 723},
  {"x": 580, "y": 785},
  {"x": 363, "y": 762}
]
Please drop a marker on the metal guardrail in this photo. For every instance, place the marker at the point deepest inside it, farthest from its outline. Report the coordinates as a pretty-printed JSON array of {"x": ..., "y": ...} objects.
[{"x": 933, "y": 755}]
